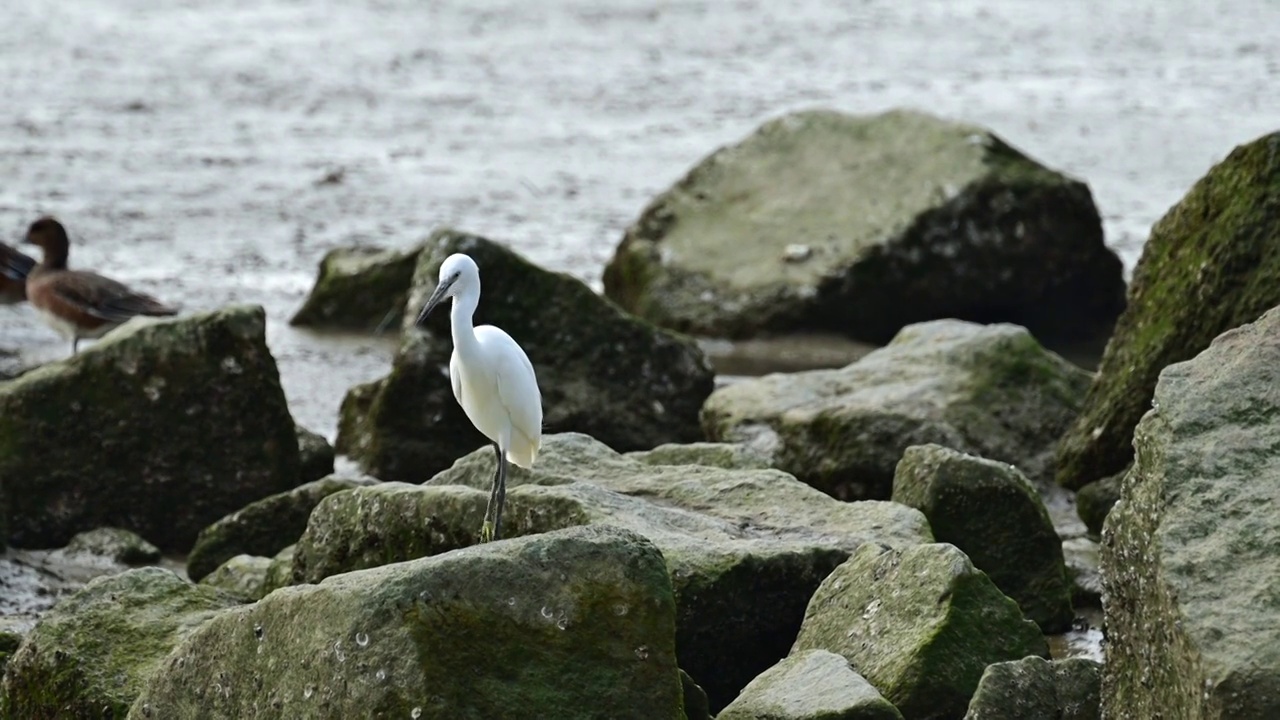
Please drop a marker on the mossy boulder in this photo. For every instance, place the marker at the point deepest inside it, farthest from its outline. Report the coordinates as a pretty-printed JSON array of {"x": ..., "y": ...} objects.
[
  {"x": 12, "y": 633},
  {"x": 989, "y": 390},
  {"x": 243, "y": 577},
  {"x": 160, "y": 429},
  {"x": 1095, "y": 500},
  {"x": 1211, "y": 263},
  {"x": 572, "y": 624},
  {"x": 1191, "y": 552},
  {"x": 745, "y": 548},
  {"x": 280, "y": 572},
  {"x": 359, "y": 288},
  {"x": 1037, "y": 689},
  {"x": 810, "y": 685},
  {"x": 990, "y": 511},
  {"x": 731, "y": 456},
  {"x": 89, "y": 656},
  {"x": 121, "y": 546},
  {"x": 315, "y": 455},
  {"x": 599, "y": 369},
  {"x": 921, "y": 624},
  {"x": 863, "y": 225},
  {"x": 263, "y": 527}
]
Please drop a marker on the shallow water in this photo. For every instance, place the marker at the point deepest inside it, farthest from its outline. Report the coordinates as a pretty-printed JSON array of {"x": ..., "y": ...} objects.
[{"x": 211, "y": 152}]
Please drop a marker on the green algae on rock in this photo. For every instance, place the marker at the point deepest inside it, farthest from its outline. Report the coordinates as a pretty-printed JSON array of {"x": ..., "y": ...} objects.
[
  {"x": 866, "y": 224},
  {"x": 1210, "y": 264},
  {"x": 359, "y": 288},
  {"x": 810, "y": 685},
  {"x": 600, "y": 370},
  {"x": 746, "y": 548},
  {"x": 990, "y": 511},
  {"x": 1033, "y": 687},
  {"x": 280, "y": 572},
  {"x": 243, "y": 577},
  {"x": 1191, "y": 552},
  {"x": 90, "y": 655},
  {"x": 920, "y": 624},
  {"x": 572, "y": 624},
  {"x": 730, "y": 456},
  {"x": 160, "y": 428},
  {"x": 263, "y": 527},
  {"x": 988, "y": 390}
]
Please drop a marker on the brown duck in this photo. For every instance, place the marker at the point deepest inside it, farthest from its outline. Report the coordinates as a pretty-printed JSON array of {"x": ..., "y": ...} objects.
[
  {"x": 76, "y": 303},
  {"x": 14, "y": 268}
]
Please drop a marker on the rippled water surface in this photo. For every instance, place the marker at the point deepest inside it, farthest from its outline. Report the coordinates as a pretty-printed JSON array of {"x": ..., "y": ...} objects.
[{"x": 212, "y": 151}]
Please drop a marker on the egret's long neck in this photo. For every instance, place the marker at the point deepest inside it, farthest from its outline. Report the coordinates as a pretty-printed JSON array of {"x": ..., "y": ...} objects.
[{"x": 464, "y": 334}]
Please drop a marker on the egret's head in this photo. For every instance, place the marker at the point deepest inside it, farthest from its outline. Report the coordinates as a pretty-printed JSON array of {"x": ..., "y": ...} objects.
[{"x": 458, "y": 274}]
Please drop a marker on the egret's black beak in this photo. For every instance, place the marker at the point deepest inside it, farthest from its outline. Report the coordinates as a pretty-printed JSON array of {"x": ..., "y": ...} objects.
[{"x": 441, "y": 290}]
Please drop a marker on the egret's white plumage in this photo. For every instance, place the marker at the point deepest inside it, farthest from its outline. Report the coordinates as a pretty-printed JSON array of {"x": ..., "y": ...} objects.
[{"x": 492, "y": 378}]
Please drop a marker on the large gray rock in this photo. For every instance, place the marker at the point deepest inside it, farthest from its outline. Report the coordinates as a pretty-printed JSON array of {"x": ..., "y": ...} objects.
[
  {"x": 243, "y": 577},
  {"x": 161, "y": 428},
  {"x": 865, "y": 224},
  {"x": 117, "y": 545},
  {"x": 1191, "y": 553},
  {"x": 920, "y": 624},
  {"x": 90, "y": 655},
  {"x": 600, "y": 370},
  {"x": 315, "y": 455},
  {"x": 360, "y": 288},
  {"x": 262, "y": 528},
  {"x": 746, "y": 548},
  {"x": 1036, "y": 689},
  {"x": 493, "y": 631},
  {"x": 1209, "y": 265},
  {"x": 991, "y": 391},
  {"x": 810, "y": 685},
  {"x": 990, "y": 511}
]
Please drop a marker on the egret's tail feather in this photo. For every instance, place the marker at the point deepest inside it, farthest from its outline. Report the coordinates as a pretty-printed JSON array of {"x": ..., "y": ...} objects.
[{"x": 524, "y": 450}]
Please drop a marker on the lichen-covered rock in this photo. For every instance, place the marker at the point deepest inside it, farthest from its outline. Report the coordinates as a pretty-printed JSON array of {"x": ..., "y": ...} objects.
[
  {"x": 1095, "y": 500},
  {"x": 115, "y": 544},
  {"x": 990, "y": 511},
  {"x": 566, "y": 625},
  {"x": 1208, "y": 266},
  {"x": 730, "y": 456},
  {"x": 600, "y": 370},
  {"x": 243, "y": 576},
  {"x": 359, "y": 288},
  {"x": 160, "y": 428},
  {"x": 89, "y": 656},
  {"x": 992, "y": 391},
  {"x": 1191, "y": 553},
  {"x": 315, "y": 456},
  {"x": 746, "y": 548},
  {"x": 280, "y": 572},
  {"x": 262, "y": 528},
  {"x": 921, "y": 624},
  {"x": 866, "y": 224},
  {"x": 810, "y": 685},
  {"x": 1037, "y": 689}
]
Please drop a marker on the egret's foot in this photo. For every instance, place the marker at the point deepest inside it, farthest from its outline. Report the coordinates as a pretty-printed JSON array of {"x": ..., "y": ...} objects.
[{"x": 486, "y": 532}]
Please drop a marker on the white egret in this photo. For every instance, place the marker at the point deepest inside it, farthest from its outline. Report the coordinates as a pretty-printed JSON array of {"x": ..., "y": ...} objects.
[{"x": 493, "y": 381}]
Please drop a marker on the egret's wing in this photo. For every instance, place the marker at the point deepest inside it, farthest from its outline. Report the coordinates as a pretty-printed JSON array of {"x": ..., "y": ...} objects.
[
  {"x": 455, "y": 378},
  {"x": 517, "y": 384}
]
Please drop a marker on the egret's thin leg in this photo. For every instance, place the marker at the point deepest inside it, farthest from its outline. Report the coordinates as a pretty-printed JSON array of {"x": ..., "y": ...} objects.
[
  {"x": 487, "y": 530},
  {"x": 502, "y": 495},
  {"x": 75, "y": 345}
]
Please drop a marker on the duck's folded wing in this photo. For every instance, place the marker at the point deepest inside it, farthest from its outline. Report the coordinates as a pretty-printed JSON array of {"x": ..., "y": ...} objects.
[
  {"x": 105, "y": 298},
  {"x": 15, "y": 265}
]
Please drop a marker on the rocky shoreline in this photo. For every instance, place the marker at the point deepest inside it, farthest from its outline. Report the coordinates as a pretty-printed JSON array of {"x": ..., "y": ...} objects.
[{"x": 895, "y": 538}]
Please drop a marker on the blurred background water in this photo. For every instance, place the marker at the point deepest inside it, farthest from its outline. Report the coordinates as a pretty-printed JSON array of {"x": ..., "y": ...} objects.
[{"x": 210, "y": 152}]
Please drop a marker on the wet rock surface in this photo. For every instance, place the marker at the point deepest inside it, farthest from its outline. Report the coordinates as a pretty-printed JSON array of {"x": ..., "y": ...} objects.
[
  {"x": 1037, "y": 688},
  {"x": 243, "y": 577},
  {"x": 360, "y": 288},
  {"x": 315, "y": 455},
  {"x": 1191, "y": 553},
  {"x": 600, "y": 370},
  {"x": 78, "y": 445},
  {"x": 1214, "y": 246},
  {"x": 989, "y": 390},
  {"x": 990, "y": 511},
  {"x": 114, "y": 544},
  {"x": 264, "y": 527},
  {"x": 920, "y": 624},
  {"x": 571, "y": 624},
  {"x": 866, "y": 224},
  {"x": 1095, "y": 500},
  {"x": 810, "y": 685},
  {"x": 90, "y": 655},
  {"x": 746, "y": 548}
]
